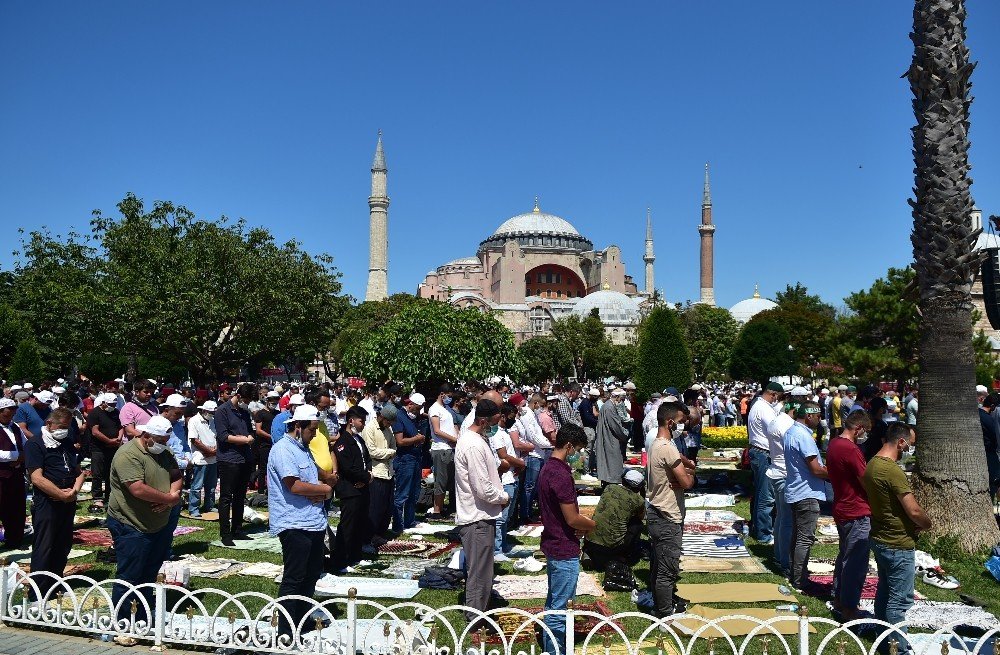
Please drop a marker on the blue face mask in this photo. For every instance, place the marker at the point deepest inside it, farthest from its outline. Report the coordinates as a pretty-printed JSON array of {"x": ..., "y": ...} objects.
[
  {"x": 493, "y": 429},
  {"x": 573, "y": 459},
  {"x": 447, "y": 400}
]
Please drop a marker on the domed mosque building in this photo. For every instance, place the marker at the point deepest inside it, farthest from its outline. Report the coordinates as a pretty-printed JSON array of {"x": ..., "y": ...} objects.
[{"x": 536, "y": 268}]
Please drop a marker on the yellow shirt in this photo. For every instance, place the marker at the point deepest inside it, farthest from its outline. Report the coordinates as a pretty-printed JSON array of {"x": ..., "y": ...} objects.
[
  {"x": 836, "y": 412},
  {"x": 320, "y": 449}
]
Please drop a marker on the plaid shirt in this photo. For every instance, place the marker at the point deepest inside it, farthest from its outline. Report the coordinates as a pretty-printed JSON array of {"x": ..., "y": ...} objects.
[
  {"x": 332, "y": 424},
  {"x": 567, "y": 413}
]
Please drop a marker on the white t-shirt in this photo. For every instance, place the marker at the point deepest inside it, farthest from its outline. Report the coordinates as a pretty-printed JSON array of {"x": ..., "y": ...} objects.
[
  {"x": 447, "y": 426},
  {"x": 893, "y": 407},
  {"x": 775, "y": 437},
  {"x": 760, "y": 416},
  {"x": 911, "y": 412},
  {"x": 368, "y": 405},
  {"x": 203, "y": 431},
  {"x": 502, "y": 440}
]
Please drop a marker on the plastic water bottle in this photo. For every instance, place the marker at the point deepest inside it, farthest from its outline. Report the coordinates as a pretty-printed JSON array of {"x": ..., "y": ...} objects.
[
  {"x": 745, "y": 530},
  {"x": 708, "y": 516},
  {"x": 787, "y": 608}
]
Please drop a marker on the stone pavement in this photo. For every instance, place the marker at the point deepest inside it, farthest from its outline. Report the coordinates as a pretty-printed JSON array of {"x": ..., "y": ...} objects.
[{"x": 17, "y": 641}]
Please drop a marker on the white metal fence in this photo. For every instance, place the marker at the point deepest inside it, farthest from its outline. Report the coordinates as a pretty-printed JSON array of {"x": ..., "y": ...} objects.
[{"x": 250, "y": 621}]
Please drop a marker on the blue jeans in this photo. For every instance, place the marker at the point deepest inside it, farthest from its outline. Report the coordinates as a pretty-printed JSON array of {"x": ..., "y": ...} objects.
[
  {"x": 562, "y": 575},
  {"x": 761, "y": 525},
  {"x": 782, "y": 527},
  {"x": 895, "y": 588},
  {"x": 851, "y": 567},
  {"x": 406, "y": 471},
  {"x": 533, "y": 466},
  {"x": 204, "y": 476},
  {"x": 139, "y": 556},
  {"x": 500, "y": 544}
]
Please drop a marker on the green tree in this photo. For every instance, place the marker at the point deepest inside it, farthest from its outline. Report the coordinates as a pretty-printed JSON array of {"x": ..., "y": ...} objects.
[
  {"x": 364, "y": 317},
  {"x": 27, "y": 362},
  {"x": 434, "y": 341},
  {"x": 212, "y": 295},
  {"x": 544, "y": 358},
  {"x": 809, "y": 331},
  {"x": 663, "y": 359},
  {"x": 799, "y": 295},
  {"x": 581, "y": 338},
  {"x": 987, "y": 363},
  {"x": 711, "y": 333},
  {"x": 761, "y": 352},
  {"x": 950, "y": 481},
  {"x": 13, "y": 328}
]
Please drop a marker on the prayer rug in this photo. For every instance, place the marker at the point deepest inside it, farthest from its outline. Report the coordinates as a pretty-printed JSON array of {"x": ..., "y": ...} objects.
[
  {"x": 24, "y": 554},
  {"x": 823, "y": 586},
  {"x": 710, "y": 500},
  {"x": 712, "y": 516},
  {"x": 739, "y": 565},
  {"x": 212, "y": 517},
  {"x": 737, "y": 626},
  {"x": 703, "y": 545},
  {"x": 262, "y": 570},
  {"x": 422, "y": 549},
  {"x": 83, "y": 520},
  {"x": 264, "y": 543},
  {"x": 734, "y": 592},
  {"x": 215, "y": 569},
  {"x": 182, "y": 530},
  {"x": 531, "y": 531},
  {"x": 332, "y": 585},
  {"x": 583, "y": 501},
  {"x": 429, "y": 529},
  {"x": 930, "y": 614},
  {"x": 71, "y": 569},
  {"x": 521, "y": 587},
  {"x": 709, "y": 528},
  {"x": 93, "y": 537},
  {"x": 409, "y": 568},
  {"x": 510, "y": 622}
]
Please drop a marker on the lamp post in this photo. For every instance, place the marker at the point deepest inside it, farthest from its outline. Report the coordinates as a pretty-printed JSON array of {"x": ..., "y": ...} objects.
[
  {"x": 791, "y": 363},
  {"x": 696, "y": 375}
]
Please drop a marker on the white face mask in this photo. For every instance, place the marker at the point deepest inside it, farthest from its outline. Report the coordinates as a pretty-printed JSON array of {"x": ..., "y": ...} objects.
[
  {"x": 59, "y": 435},
  {"x": 411, "y": 415},
  {"x": 156, "y": 448},
  {"x": 863, "y": 437}
]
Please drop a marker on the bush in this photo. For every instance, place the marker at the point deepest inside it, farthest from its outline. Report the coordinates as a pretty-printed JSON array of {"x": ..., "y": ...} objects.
[{"x": 663, "y": 358}]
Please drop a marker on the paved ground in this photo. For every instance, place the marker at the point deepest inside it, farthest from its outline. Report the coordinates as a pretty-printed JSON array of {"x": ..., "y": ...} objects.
[{"x": 17, "y": 641}]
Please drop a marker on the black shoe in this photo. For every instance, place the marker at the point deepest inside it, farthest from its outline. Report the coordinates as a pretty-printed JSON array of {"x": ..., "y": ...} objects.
[
  {"x": 242, "y": 536},
  {"x": 228, "y": 541},
  {"x": 107, "y": 556}
]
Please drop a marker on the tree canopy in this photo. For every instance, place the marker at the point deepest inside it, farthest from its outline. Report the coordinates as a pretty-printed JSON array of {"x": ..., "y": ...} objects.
[
  {"x": 583, "y": 339},
  {"x": 544, "y": 358},
  {"x": 761, "y": 352},
  {"x": 799, "y": 295},
  {"x": 663, "y": 359},
  {"x": 710, "y": 333}
]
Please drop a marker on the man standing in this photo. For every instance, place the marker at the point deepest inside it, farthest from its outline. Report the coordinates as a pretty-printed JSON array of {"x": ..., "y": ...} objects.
[
  {"x": 567, "y": 412},
  {"x": 667, "y": 477},
  {"x": 234, "y": 436},
  {"x": 105, "y": 438},
  {"x": 759, "y": 417},
  {"x": 295, "y": 503},
  {"x": 136, "y": 412},
  {"x": 406, "y": 463},
  {"x": 510, "y": 466},
  {"x": 896, "y": 519},
  {"x": 991, "y": 440},
  {"x": 12, "y": 490},
  {"x": 443, "y": 440},
  {"x": 480, "y": 499},
  {"x": 262, "y": 420},
  {"x": 145, "y": 485},
  {"x": 777, "y": 474},
  {"x": 804, "y": 488},
  {"x": 533, "y": 432},
  {"x": 201, "y": 432},
  {"x": 563, "y": 527},
  {"x": 381, "y": 443},
  {"x": 27, "y": 416},
  {"x": 845, "y": 464},
  {"x": 835, "y": 417},
  {"x": 280, "y": 419},
  {"x": 354, "y": 466},
  {"x": 911, "y": 410},
  {"x": 611, "y": 434},
  {"x": 588, "y": 416}
]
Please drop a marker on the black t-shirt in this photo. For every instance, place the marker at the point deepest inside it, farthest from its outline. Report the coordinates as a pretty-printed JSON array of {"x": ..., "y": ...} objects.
[
  {"x": 587, "y": 413},
  {"x": 59, "y": 465},
  {"x": 106, "y": 422},
  {"x": 265, "y": 417}
]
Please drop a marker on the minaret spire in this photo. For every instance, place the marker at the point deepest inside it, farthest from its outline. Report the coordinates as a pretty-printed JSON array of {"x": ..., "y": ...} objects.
[
  {"x": 649, "y": 257},
  {"x": 707, "y": 232},
  {"x": 378, "y": 236}
]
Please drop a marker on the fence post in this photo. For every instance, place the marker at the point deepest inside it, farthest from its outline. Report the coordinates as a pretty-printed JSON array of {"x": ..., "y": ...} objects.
[
  {"x": 352, "y": 620},
  {"x": 803, "y": 630},
  {"x": 569, "y": 647},
  {"x": 4, "y": 591},
  {"x": 159, "y": 611}
]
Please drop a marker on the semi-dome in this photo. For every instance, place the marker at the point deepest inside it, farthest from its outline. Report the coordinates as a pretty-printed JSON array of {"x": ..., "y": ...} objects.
[
  {"x": 537, "y": 230},
  {"x": 744, "y": 310},
  {"x": 613, "y": 307}
]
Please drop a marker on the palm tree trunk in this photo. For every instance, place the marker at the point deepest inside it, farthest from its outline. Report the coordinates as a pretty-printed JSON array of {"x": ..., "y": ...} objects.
[{"x": 951, "y": 480}]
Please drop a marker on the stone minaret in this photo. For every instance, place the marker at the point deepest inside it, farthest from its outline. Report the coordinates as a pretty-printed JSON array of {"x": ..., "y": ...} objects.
[
  {"x": 649, "y": 257},
  {"x": 707, "y": 232},
  {"x": 378, "y": 237}
]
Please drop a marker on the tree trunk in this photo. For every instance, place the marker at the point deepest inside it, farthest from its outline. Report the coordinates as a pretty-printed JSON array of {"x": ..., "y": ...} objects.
[{"x": 951, "y": 480}]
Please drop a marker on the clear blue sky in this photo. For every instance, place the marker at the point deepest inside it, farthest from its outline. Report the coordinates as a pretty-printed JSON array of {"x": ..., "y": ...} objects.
[{"x": 269, "y": 111}]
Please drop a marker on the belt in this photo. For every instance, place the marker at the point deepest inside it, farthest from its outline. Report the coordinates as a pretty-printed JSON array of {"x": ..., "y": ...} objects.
[{"x": 765, "y": 450}]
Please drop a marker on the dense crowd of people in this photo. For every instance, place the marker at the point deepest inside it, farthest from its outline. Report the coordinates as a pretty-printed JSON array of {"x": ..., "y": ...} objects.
[{"x": 499, "y": 457}]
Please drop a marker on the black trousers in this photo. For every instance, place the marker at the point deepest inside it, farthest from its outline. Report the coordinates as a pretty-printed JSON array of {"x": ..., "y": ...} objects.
[
  {"x": 100, "y": 471},
  {"x": 380, "y": 506},
  {"x": 263, "y": 452},
  {"x": 351, "y": 531},
  {"x": 53, "y": 524},
  {"x": 302, "y": 555},
  {"x": 233, "y": 481},
  {"x": 627, "y": 552},
  {"x": 12, "y": 500}
]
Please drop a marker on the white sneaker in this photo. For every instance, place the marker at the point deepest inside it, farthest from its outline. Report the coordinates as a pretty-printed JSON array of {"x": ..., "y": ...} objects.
[
  {"x": 500, "y": 557},
  {"x": 587, "y": 477},
  {"x": 363, "y": 563},
  {"x": 529, "y": 564},
  {"x": 347, "y": 570}
]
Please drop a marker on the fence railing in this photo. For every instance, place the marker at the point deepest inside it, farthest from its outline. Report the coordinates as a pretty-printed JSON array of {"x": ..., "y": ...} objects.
[{"x": 168, "y": 616}]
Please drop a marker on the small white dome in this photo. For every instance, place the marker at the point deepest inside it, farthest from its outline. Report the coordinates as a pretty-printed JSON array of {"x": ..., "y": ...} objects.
[
  {"x": 614, "y": 308},
  {"x": 744, "y": 310}
]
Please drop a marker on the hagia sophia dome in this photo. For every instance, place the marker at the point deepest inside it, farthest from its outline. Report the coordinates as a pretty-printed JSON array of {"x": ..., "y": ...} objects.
[{"x": 744, "y": 310}]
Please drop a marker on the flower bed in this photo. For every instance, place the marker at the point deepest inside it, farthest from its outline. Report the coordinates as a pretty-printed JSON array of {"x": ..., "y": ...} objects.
[{"x": 732, "y": 437}]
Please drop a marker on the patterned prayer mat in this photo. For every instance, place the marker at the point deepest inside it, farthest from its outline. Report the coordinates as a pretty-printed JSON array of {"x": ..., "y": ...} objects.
[
  {"x": 509, "y": 623},
  {"x": 930, "y": 614},
  {"x": 703, "y": 545},
  {"x": 93, "y": 537},
  {"x": 523, "y": 587},
  {"x": 421, "y": 549},
  {"x": 709, "y": 528},
  {"x": 741, "y": 565},
  {"x": 712, "y": 516}
]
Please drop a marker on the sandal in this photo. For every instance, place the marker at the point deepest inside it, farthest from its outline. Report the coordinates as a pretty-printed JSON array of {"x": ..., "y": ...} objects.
[{"x": 125, "y": 640}]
